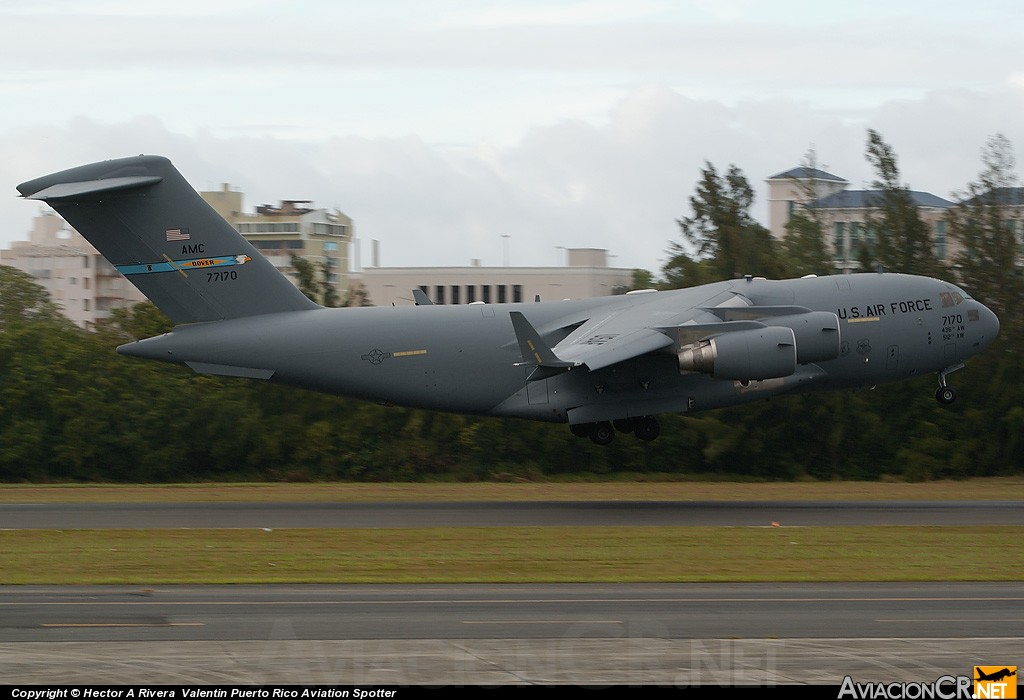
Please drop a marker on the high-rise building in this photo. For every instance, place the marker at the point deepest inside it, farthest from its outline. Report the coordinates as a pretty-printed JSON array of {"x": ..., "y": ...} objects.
[{"x": 292, "y": 227}]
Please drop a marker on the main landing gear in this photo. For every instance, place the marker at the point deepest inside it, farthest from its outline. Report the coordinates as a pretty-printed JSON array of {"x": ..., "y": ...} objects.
[
  {"x": 603, "y": 432},
  {"x": 946, "y": 394}
]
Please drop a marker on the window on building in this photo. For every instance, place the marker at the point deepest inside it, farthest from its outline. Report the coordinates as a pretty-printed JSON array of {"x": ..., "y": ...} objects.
[
  {"x": 855, "y": 240},
  {"x": 940, "y": 240},
  {"x": 517, "y": 293},
  {"x": 839, "y": 242},
  {"x": 470, "y": 293},
  {"x": 439, "y": 291},
  {"x": 85, "y": 282},
  {"x": 485, "y": 293},
  {"x": 328, "y": 229},
  {"x": 85, "y": 304},
  {"x": 455, "y": 294},
  {"x": 501, "y": 293},
  {"x": 870, "y": 239},
  {"x": 294, "y": 245}
]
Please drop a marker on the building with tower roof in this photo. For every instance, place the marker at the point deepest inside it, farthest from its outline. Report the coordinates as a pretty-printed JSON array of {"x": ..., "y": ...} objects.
[{"x": 846, "y": 215}]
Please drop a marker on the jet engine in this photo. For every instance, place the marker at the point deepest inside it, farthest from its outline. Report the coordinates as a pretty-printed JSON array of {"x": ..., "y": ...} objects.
[
  {"x": 755, "y": 353},
  {"x": 816, "y": 332}
]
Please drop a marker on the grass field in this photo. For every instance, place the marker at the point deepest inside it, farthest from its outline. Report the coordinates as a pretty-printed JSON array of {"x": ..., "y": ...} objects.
[
  {"x": 514, "y": 555},
  {"x": 1008, "y": 488},
  {"x": 511, "y": 555}
]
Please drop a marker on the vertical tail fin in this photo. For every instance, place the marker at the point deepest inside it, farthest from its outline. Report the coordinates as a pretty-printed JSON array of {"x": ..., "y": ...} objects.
[{"x": 154, "y": 228}]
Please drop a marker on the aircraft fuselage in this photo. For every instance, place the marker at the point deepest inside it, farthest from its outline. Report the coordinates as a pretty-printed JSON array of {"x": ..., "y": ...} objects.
[{"x": 464, "y": 358}]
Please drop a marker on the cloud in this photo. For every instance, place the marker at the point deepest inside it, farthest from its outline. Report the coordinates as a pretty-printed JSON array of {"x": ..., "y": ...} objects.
[{"x": 618, "y": 184}]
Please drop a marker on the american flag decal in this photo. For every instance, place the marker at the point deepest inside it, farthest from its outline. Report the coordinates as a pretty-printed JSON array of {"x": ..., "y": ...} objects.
[{"x": 177, "y": 234}]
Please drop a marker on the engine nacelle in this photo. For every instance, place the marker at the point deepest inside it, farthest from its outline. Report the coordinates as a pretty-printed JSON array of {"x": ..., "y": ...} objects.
[
  {"x": 817, "y": 335},
  {"x": 756, "y": 353}
]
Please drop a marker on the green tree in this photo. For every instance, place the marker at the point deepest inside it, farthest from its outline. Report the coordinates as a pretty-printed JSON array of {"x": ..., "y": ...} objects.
[
  {"x": 983, "y": 221},
  {"x": 725, "y": 239},
  {"x": 314, "y": 281},
  {"x": 357, "y": 296},
  {"x": 329, "y": 294},
  {"x": 641, "y": 279},
  {"x": 22, "y": 299},
  {"x": 903, "y": 241},
  {"x": 803, "y": 250},
  {"x": 142, "y": 320},
  {"x": 305, "y": 274}
]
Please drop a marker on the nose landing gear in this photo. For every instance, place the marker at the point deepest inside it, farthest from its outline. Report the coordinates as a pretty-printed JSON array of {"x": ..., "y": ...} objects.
[{"x": 946, "y": 394}]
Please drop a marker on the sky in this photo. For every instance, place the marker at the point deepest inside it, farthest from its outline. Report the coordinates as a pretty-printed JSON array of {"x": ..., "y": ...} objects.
[{"x": 453, "y": 130}]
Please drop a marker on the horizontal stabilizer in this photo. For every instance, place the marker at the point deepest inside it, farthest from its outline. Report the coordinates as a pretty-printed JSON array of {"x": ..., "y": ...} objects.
[
  {"x": 71, "y": 190},
  {"x": 230, "y": 371}
]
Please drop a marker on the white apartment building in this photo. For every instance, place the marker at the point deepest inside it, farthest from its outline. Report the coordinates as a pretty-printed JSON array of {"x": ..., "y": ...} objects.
[{"x": 80, "y": 281}]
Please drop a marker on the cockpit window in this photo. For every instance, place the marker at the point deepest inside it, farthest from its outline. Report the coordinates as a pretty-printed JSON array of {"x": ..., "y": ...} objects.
[{"x": 951, "y": 299}]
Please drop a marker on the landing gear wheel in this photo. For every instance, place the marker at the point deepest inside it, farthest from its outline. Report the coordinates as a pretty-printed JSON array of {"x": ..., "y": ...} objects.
[
  {"x": 580, "y": 430},
  {"x": 602, "y": 433},
  {"x": 945, "y": 395},
  {"x": 646, "y": 428}
]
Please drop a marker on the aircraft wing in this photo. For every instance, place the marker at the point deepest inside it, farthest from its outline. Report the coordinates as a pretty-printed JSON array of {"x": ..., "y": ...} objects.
[
  {"x": 603, "y": 349},
  {"x": 647, "y": 325},
  {"x": 673, "y": 321},
  {"x": 606, "y": 338}
]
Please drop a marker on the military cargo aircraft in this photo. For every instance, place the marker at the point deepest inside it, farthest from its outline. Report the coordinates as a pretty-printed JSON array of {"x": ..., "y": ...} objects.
[{"x": 602, "y": 365}]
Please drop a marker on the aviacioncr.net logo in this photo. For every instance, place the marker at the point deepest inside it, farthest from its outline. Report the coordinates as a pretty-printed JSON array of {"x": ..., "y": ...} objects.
[
  {"x": 943, "y": 688},
  {"x": 995, "y": 682}
]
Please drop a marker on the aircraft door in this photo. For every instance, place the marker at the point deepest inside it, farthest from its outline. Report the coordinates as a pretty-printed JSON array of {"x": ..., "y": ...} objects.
[{"x": 537, "y": 392}]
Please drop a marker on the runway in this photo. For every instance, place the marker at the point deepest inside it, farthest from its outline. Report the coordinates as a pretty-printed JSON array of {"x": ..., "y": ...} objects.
[
  {"x": 67, "y": 516},
  {"x": 474, "y": 634},
  {"x": 678, "y": 634}
]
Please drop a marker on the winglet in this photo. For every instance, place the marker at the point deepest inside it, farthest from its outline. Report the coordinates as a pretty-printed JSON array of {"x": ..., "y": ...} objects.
[
  {"x": 535, "y": 351},
  {"x": 420, "y": 297}
]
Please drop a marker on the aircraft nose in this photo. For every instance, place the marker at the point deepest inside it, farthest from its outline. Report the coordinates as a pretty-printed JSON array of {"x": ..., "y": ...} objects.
[{"x": 988, "y": 327}]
